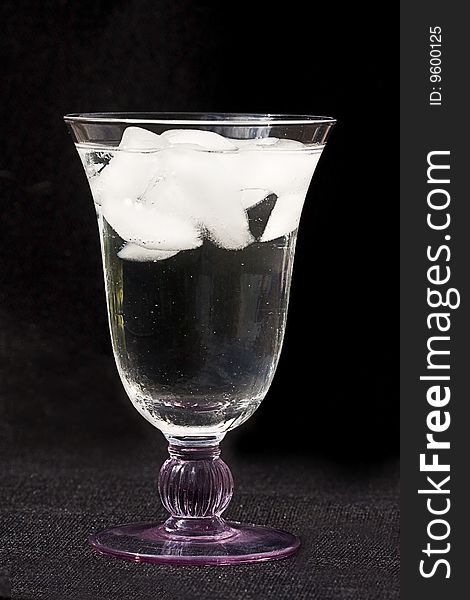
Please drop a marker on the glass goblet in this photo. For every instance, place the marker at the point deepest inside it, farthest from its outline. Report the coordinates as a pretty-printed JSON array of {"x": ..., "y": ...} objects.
[{"x": 198, "y": 217}]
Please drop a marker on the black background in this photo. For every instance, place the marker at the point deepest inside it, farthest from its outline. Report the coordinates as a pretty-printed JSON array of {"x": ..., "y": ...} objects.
[
  {"x": 338, "y": 360},
  {"x": 334, "y": 396}
]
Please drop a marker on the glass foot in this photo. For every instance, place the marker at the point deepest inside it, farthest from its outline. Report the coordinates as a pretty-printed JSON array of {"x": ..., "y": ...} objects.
[{"x": 237, "y": 543}]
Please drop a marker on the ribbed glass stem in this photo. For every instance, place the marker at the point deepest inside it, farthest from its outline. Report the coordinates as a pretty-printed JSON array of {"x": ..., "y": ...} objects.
[{"x": 195, "y": 487}]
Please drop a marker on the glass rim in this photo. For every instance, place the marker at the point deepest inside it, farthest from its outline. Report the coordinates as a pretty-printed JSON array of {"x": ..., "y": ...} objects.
[{"x": 199, "y": 118}]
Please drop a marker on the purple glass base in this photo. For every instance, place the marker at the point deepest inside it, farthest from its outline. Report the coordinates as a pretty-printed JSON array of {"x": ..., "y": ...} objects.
[{"x": 238, "y": 543}]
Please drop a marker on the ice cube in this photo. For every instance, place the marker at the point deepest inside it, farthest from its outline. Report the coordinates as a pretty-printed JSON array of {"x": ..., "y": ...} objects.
[
  {"x": 131, "y": 168},
  {"x": 288, "y": 175},
  {"x": 171, "y": 192},
  {"x": 285, "y": 216},
  {"x": 93, "y": 162},
  {"x": 278, "y": 171},
  {"x": 138, "y": 138},
  {"x": 271, "y": 143},
  {"x": 227, "y": 223},
  {"x": 96, "y": 190},
  {"x": 240, "y": 143},
  {"x": 268, "y": 141},
  {"x": 205, "y": 139},
  {"x": 128, "y": 175},
  {"x": 289, "y": 145},
  {"x": 220, "y": 187},
  {"x": 201, "y": 189},
  {"x": 252, "y": 197},
  {"x": 163, "y": 194},
  {"x": 265, "y": 142},
  {"x": 145, "y": 225},
  {"x": 137, "y": 253}
]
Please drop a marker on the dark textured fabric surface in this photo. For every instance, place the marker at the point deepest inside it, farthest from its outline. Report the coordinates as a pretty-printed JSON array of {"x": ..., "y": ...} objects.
[
  {"x": 70, "y": 477},
  {"x": 347, "y": 521}
]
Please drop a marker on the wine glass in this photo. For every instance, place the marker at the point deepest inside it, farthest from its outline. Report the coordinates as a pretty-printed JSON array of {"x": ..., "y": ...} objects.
[{"x": 198, "y": 217}]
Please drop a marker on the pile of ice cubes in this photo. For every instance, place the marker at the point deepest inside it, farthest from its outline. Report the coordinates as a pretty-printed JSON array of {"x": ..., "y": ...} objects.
[{"x": 166, "y": 193}]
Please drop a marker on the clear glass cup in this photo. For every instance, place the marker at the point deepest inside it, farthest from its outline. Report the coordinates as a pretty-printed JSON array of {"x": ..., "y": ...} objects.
[{"x": 198, "y": 217}]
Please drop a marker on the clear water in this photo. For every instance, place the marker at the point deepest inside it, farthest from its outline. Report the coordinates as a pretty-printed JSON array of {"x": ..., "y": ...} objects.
[
  {"x": 197, "y": 336},
  {"x": 198, "y": 237}
]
